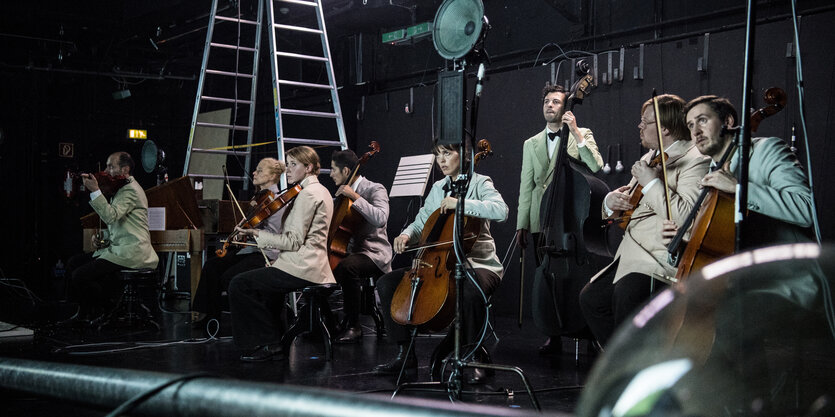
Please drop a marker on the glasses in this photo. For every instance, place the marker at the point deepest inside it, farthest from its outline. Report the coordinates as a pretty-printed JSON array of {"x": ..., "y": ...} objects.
[{"x": 646, "y": 122}]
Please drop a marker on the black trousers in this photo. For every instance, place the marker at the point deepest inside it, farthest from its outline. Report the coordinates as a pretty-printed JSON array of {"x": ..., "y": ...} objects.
[
  {"x": 93, "y": 281},
  {"x": 473, "y": 309},
  {"x": 606, "y": 305},
  {"x": 349, "y": 274},
  {"x": 216, "y": 276},
  {"x": 256, "y": 299}
]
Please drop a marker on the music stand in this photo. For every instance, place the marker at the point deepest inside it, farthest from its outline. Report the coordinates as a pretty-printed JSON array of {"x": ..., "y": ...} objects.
[{"x": 412, "y": 176}]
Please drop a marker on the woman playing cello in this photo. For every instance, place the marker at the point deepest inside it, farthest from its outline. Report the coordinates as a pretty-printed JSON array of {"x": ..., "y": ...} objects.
[
  {"x": 482, "y": 201},
  {"x": 218, "y": 271}
]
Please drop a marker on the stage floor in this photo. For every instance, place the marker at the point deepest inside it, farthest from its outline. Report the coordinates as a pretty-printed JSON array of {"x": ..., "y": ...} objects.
[{"x": 556, "y": 379}]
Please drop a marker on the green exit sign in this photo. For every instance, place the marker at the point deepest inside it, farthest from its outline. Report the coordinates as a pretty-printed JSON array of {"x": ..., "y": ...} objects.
[
  {"x": 421, "y": 29},
  {"x": 395, "y": 36}
]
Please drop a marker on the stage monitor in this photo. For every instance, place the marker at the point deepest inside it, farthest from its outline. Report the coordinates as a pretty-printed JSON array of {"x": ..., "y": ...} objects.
[{"x": 449, "y": 95}]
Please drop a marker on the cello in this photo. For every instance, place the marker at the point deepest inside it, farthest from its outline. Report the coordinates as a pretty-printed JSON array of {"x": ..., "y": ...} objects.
[
  {"x": 345, "y": 219},
  {"x": 425, "y": 296},
  {"x": 712, "y": 215},
  {"x": 570, "y": 233}
]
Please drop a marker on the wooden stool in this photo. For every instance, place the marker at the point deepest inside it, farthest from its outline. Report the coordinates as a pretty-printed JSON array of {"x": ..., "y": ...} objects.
[
  {"x": 130, "y": 310},
  {"x": 315, "y": 314}
]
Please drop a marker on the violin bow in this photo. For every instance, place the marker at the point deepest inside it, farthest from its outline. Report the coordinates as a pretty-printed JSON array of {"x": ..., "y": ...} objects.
[{"x": 663, "y": 155}]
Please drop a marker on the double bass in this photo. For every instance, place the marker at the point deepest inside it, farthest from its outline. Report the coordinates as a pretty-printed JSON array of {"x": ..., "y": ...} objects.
[
  {"x": 425, "y": 296},
  {"x": 712, "y": 216},
  {"x": 570, "y": 233},
  {"x": 346, "y": 220}
]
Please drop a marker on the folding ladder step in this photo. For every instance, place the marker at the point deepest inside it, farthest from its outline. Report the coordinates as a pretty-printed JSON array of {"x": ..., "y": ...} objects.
[
  {"x": 309, "y": 113},
  {"x": 300, "y": 56},
  {"x": 302, "y": 2},
  {"x": 226, "y": 46},
  {"x": 229, "y": 73},
  {"x": 219, "y": 177},
  {"x": 221, "y": 151},
  {"x": 309, "y": 85},
  {"x": 225, "y": 100},
  {"x": 313, "y": 142},
  {"x": 222, "y": 126},
  {"x": 235, "y": 19},
  {"x": 297, "y": 28}
]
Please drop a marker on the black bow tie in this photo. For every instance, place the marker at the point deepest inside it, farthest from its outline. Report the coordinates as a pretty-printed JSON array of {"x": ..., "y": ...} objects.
[{"x": 552, "y": 135}]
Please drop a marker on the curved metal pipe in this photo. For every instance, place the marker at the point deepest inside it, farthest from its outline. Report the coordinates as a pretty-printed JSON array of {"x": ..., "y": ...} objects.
[{"x": 208, "y": 397}]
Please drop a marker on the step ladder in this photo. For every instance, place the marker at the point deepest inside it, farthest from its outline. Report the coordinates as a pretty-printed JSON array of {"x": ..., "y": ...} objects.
[
  {"x": 307, "y": 24},
  {"x": 227, "y": 68},
  {"x": 302, "y": 14}
]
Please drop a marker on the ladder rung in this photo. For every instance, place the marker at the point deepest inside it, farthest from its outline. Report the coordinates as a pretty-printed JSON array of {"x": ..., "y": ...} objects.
[
  {"x": 302, "y": 2},
  {"x": 301, "y": 84},
  {"x": 297, "y": 28},
  {"x": 225, "y": 100},
  {"x": 222, "y": 126},
  {"x": 221, "y": 151},
  {"x": 312, "y": 141},
  {"x": 235, "y": 19},
  {"x": 240, "y": 48},
  {"x": 220, "y": 177},
  {"x": 309, "y": 113},
  {"x": 300, "y": 56},
  {"x": 231, "y": 74}
]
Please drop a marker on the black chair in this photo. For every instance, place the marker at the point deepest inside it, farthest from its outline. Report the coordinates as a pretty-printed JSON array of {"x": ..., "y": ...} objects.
[
  {"x": 130, "y": 310},
  {"x": 314, "y": 314}
]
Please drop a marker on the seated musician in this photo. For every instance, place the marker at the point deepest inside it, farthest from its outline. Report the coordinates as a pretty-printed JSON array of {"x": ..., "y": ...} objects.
[
  {"x": 370, "y": 249},
  {"x": 93, "y": 283},
  {"x": 538, "y": 156},
  {"x": 778, "y": 190},
  {"x": 482, "y": 201},
  {"x": 256, "y": 297},
  {"x": 218, "y": 271},
  {"x": 614, "y": 292}
]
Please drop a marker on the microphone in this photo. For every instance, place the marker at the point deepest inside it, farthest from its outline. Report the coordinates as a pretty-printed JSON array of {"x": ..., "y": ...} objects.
[
  {"x": 619, "y": 164},
  {"x": 606, "y": 168},
  {"x": 794, "y": 138},
  {"x": 480, "y": 77}
]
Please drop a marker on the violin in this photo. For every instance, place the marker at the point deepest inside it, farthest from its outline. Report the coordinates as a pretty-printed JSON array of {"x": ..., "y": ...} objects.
[
  {"x": 622, "y": 218},
  {"x": 425, "y": 296},
  {"x": 346, "y": 220},
  {"x": 712, "y": 215},
  {"x": 264, "y": 204}
]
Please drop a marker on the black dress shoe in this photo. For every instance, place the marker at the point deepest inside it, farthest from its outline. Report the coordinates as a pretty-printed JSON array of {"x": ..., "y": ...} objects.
[
  {"x": 552, "y": 346},
  {"x": 352, "y": 334},
  {"x": 393, "y": 367},
  {"x": 264, "y": 353}
]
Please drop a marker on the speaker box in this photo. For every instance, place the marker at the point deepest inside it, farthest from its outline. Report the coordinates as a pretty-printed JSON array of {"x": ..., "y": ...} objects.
[{"x": 449, "y": 95}]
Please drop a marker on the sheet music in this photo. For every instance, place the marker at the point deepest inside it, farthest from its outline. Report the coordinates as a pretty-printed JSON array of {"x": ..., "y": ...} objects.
[
  {"x": 412, "y": 176},
  {"x": 156, "y": 218}
]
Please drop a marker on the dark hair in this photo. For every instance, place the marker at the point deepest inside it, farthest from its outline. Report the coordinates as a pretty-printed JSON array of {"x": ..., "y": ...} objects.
[
  {"x": 720, "y": 105},
  {"x": 670, "y": 111},
  {"x": 345, "y": 159},
  {"x": 125, "y": 160},
  {"x": 552, "y": 88},
  {"x": 436, "y": 150}
]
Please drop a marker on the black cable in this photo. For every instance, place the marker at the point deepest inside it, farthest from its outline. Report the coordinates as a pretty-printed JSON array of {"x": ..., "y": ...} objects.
[{"x": 144, "y": 396}]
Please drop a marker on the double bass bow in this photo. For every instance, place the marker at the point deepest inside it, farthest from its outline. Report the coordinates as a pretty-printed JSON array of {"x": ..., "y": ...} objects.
[
  {"x": 346, "y": 220},
  {"x": 425, "y": 296},
  {"x": 712, "y": 216}
]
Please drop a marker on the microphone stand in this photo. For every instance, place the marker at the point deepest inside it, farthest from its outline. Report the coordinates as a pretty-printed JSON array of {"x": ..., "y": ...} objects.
[
  {"x": 744, "y": 139},
  {"x": 453, "y": 386}
]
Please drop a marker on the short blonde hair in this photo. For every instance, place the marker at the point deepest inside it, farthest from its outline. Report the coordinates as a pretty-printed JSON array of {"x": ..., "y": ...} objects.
[
  {"x": 306, "y": 156},
  {"x": 274, "y": 166}
]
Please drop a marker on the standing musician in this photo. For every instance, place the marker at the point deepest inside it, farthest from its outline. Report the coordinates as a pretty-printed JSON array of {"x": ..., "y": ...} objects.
[
  {"x": 256, "y": 297},
  {"x": 219, "y": 271},
  {"x": 538, "y": 158},
  {"x": 370, "y": 249},
  {"x": 614, "y": 292},
  {"x": 126, "y": 215},
  {"x": 777, "y": 185},
  {"x": 482, "y": 201}
]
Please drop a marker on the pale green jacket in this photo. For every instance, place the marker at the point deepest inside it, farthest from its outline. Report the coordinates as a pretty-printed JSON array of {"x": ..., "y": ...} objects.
[{"x": 126, "y": 217}]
